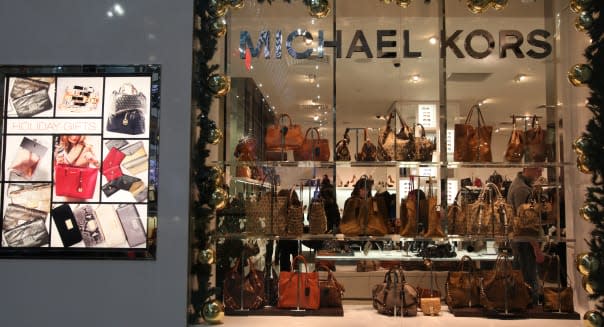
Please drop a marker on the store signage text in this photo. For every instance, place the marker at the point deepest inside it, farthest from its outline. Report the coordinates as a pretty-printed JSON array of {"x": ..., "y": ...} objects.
[{"x": 509, "y": 41}]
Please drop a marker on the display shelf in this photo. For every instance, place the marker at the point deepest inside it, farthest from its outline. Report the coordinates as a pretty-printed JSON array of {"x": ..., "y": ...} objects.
[
  {"x": 535, "y": 312},
  {"x": 274, "y": 311},
  {"x": 399, "y": 164},
  {"x": 251, "y": 181},
  {"x": 401, "y": 255}
]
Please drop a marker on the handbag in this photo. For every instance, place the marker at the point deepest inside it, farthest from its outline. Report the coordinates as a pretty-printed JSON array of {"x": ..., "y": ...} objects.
[
  {"x": 424, "y": 147},
  {"x": 489, "y": 216},
  {"x": 89, "y": 226},
  {"x": 393, "y": 145},
  {"x": 246, "y": 148},
  {"x": 111, "y": 164},
  {"x": 429, "y": 298},
  {"x": 463, "y": 286},
  {"x": 312, "y": 149},
  {"x": 504, "y": 288},
  {"x": 266, "y": 214},
  {"x": 136, "y": 159},
  {"x": 295, "y": 215},
  {"x": 231, "y": 219},
  {"x": 394, "y": 296},
  {"x": 368, "y": 150},
  {"x": 317, "y": 219},
  {"x": 331, "y": 291},
  {"x": 26, "y": 160},
  {"x": 32, "y": 233},
  {"x": 75, "y": 182},
  {"x": 473, "y": 144},
  {"x": 299, "y": 289},
  {"x": 243, "y": 292},
  {"x": 342, "y": 152},
  {"x": 30, "y": 195},
  {"x": 283, "y": 137},
  {"x": 413, "y": 211},
  {"x": 535, "y": 147},
  {"x": 527, "y": 222},
  {"x": 557, "y": 299},
  {"x": 456, "y": 215},
  {"x": 29, "y": 97},
  {"x": 515, "y": 147},
  {"x": 375, "y": 220},
  {"x": 128, "y": 115}
]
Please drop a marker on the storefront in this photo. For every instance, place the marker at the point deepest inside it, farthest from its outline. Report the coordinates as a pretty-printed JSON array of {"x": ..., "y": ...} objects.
[{"x": 344, "y": 90}]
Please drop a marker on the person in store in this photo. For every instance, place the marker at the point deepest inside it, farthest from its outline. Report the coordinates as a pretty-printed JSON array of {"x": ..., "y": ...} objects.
[
  {"x": 526, "y": 254},
  {"x": 327, "y": 193}
]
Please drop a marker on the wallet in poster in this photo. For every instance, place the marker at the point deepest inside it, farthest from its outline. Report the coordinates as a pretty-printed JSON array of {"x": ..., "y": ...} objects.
[
  {"x": 125, "y": 171},
  {"x": 31, "y": 96},
  {"x": 24, "y": 227},
  {"x": 132, "y": 224}
]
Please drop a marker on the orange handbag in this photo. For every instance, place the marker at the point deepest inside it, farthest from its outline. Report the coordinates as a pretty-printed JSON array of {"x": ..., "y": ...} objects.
[
  {"x": 315, "y": 149},
  {"x": 286, "y": 137},
  {"x": 299, "y": 289}
]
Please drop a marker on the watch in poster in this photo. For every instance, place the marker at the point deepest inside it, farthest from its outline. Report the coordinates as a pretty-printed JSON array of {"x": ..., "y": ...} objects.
[{"x": 79, "y": 96}]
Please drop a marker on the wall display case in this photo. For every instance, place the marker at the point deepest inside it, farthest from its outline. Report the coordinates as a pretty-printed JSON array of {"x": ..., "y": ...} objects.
[
  {"x": 79, "y": 161},
  {"x": 435, "y": 108}
]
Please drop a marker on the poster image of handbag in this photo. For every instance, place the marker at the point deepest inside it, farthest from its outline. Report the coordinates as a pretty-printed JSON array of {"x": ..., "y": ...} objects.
[
  {"x": 26, "y": 160},
  {"x": 128, "y": 115},
  {"x": 136, "y": 160},
  {"x": 91, "y": 231},
  {"x": 30, "y": 195},
  {"x": 75, "y": 182},
  {"x": 29, "y": 96},
  {"x": 66, "y": 224},
  {"x": 131, "y": 224},
  {"x": 111, "y": 226},
  {"x": 111, "y": 164},
  {"x": 30, "y": 234}
]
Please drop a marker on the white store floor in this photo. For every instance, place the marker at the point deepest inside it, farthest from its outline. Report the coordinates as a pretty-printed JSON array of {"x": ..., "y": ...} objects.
[{"x": 362, "y": 314}]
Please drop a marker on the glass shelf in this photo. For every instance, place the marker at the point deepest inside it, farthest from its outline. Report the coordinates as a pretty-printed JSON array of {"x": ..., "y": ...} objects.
[{"x": 400, "y": 164}]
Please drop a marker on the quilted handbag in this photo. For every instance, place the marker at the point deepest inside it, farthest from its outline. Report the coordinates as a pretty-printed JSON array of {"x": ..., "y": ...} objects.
[
  {"x": 393, "y": 145},
  {"x": 29, "y": 97},
  {"x": 299, "y": 289},
  {"x": 473, "y": 143},
  {"x": 128, "y": 115},
  {"x": 244, "y": 292}
]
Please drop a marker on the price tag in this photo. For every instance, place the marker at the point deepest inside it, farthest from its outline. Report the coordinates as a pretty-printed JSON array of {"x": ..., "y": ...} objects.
[
  {"x": 450, "y": 141},
  {"x": 426, "y": 115},
  {"x": 452, "y": 188}
]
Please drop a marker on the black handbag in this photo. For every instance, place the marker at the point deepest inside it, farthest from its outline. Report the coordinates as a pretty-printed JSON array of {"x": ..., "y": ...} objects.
[
  {"x": 30, "y": 97},
  {"x": 128, "y": 115}
]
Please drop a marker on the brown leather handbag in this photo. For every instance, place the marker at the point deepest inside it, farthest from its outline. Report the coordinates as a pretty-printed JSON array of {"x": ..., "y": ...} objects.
[
  {"x": 394, "y": 296},
  {"x": 434, "y": 228},
  {"x": 368, "y": 151},
  {"x": 457, "y": 224},
  {"x": 489, "y": 216},
  {"x": 463, "y": 286},
  {"x": 535, "y": 146},
  {"x": 393, "y": 145},
  {"x": 331, "y": 290},
  {"x": 342, "y": 151},
  {"x": 558, "y": 299},
  {"x": 299, "y": 289},
  {"x": 315, "y": 149},
  {"x": 424, "y": 147},
  {"x": 351, "y": 217},
  {"x": 473, "y": 143},
  {"x": 279, "y": 136},
  {"x": 376, "y": 222},
  {"x": 504, "y": 288},
  {"x": 515, "y": 147},
  {"x": 243, "y": 292},
  {"x": 527, "y": 222}
]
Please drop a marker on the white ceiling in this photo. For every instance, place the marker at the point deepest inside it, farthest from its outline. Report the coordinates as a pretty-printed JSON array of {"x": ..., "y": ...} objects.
[{"x": 366, "y": 87}]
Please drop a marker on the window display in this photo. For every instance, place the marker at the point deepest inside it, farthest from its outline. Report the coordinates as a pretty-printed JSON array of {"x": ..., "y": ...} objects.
[{"x": 79, "y": 151}]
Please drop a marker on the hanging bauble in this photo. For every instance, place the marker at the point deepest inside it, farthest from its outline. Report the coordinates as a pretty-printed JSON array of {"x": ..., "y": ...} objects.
[
  {"x": 219, "y": 84},
  {"x": 219, "y": 198},
  {"x": 586, "y": 264},
  {"x": 237, "y": 4},
  {"x": 207, "y": 257},
  {"x": 584, "y": 21},
  {"x": 218, "y": 27},
  {"x": 318, "y": 8},
  {"x": 213, "y": 312},
  {"x": 387, "y": 1},
  {"x": 499, "y": 4},
  {"x": 579, "y": 145},
  {"x": 217, "y": 8},
  {"x": 589, "y": 212},
  {"x": 579, "y": 74},
  {"x": 478, "y": 6},
  {"x": 583, "y": 164},
  {"x": 197, "y": 23},
  {"x": 216, "y": 175},
  {"x": 578, "y": 6},
  {"x": 403, "y": 3},
  {"x": 588, "y": 285},
  {"x": 215, "y": 136},
  {"x": 592, "y": 318}
]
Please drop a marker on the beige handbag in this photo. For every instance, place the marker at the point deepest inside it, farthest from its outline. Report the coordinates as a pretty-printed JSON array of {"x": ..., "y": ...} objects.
[
  {"x": 393, "y": 145},
  {"x": 489, "y": 215}
]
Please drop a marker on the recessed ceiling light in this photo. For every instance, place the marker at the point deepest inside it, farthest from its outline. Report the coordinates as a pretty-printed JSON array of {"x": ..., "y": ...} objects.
[
  {"x": 433, "y": 40},
  {"x": 520, "y": 78},
  {"x": 415, "y": 78}
]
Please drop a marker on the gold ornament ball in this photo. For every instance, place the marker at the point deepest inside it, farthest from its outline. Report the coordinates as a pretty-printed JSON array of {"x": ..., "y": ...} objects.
[
  {"x": 207, "y": 256},
  {"x": 588, "y": 211},
  {"x": 218, "y": 27},
  {"x": 578, "y": 6},
  {"x": 196, "y": 44},
  {"x": 579, "y": 145},
  {"x": 584, "y": 21},
  {"x": 219, "y": 84},
  {"x": 197, "y": 23},
  {"x": 582, "y": 164},
  {"x": 499, "y": 4},
  {"x": 579, "y": 74},
  {"x": 213, "y": 312},
  {"x": 217, "y": 8},
  {"x": 478, "y": 6},
  {"x": 403, "y": 3},
  {"x": 586, "y": 264},
  {"x": 215, "y": 136},
  {"x": 587, "y": 285},
  {"x": 219, "y": 198},
  {"x": 319, "y": 8},
  {"x": 237, "y": 4},
  {"x": 217, "y": 175},
  {"x": 387, "y": 1},
  {"x": 592, "y": 318}
]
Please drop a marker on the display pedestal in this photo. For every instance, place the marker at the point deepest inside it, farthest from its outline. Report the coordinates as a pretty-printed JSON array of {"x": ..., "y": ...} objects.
[
  {"x": 532, "y": 313},
  {"x": 274, "y": 311}
]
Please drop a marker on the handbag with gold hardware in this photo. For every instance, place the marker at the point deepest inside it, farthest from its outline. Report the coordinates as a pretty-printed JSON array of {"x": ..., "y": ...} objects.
[
  {"x": 369, "y": 151},
  {"x": 473, "y": 143},
  {"x": 299, "y": 289},
  {"x": 393, "y": 145},
  {"x": 280, "y": 136},
  {"x": 490, "y": 213},
  {"x": 315, "y": 149},
  {"x": 244, "y": 292},
  {"x": 424, "y": 147}
]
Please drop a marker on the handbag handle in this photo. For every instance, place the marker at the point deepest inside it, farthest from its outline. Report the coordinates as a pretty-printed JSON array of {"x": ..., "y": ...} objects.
[
  {"x": 133, "y": 90},
  {"x": 310, "y": 129},
  {"x": 470, "y": 262},
  {"x": 480, "y": 118},
  {"x": 488, "y": 185},
  {"x": 423, "y": 132},
  {"x": 346, "y": 136},
  {"x": 299, "y": 257}
]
